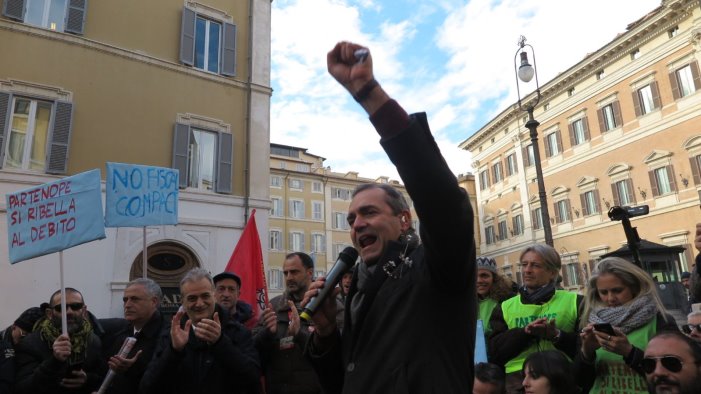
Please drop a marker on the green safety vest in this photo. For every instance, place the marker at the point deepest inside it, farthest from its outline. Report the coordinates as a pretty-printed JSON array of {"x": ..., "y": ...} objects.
[
  {"x": 486, "y": 306},
  {"x": 612, "y": 373},
  {"x": 562, "y": 307}
]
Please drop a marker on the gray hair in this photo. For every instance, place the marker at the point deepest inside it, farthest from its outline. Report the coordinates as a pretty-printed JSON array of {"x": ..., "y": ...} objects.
[
  {"x": 152, "y": 288},
  {"x": 393, "y": 197},
  {"x": 194, "y": 275},
  {"x": 549, "y": 255}
]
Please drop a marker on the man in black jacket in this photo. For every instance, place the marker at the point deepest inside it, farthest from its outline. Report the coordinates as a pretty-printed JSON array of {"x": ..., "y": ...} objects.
[
  {"x": 411, "y": 309},
  {"x": 228, "y": 289},
  {"x": 143, "y": 321},
  {"x": 204, "y": 351}
]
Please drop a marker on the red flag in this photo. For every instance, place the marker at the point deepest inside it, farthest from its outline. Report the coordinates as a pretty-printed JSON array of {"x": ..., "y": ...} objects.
[{"x": 247, "y": 262}]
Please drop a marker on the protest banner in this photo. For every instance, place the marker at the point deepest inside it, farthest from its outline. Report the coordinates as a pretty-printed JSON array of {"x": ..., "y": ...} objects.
[
  {"x": 138, "y": 195},
  {"x": 54, "y": 216}
]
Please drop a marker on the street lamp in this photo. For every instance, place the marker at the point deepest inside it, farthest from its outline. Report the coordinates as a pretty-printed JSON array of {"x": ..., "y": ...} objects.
[{"x": 525, "y": 72}]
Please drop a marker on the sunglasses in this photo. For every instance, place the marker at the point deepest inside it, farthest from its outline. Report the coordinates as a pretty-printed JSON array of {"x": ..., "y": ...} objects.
[
  {"x": 671, "y": 363},
  {"x": 76, "y": 306},
  {"x": 688, "y": 328}
]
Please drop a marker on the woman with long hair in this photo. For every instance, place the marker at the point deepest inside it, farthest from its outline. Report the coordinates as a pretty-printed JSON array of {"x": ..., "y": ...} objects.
[
  {"x": 548, "y": 372},
  {"x": 492, "y": 289},
  {"x": 621, "y": 312}
]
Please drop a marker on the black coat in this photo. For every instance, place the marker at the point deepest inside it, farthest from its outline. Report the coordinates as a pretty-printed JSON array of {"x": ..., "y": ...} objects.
[
  {"x": 418, "y": 334},
  {"x": 147, "y": 338},
  {"x": 38, "y": 371},
  {"x": 228, "y": 366},
  {"x": 7, "y": 361}
]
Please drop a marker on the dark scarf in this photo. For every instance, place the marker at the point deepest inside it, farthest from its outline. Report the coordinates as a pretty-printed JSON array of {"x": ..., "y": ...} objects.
[
  {"x": 540, "y": 296},
  {"x": 79, "y": 340}
]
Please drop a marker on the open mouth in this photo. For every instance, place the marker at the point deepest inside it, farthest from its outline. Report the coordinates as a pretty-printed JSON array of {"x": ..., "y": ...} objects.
[{"x": 366, "y": 240}]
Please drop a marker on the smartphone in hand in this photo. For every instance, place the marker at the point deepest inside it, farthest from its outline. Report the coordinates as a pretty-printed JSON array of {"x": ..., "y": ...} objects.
[{"x": 605, "y": 327}]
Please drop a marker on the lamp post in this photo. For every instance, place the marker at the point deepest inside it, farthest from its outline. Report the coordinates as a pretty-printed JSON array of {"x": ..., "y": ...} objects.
[{"x": 525, "y": 72}]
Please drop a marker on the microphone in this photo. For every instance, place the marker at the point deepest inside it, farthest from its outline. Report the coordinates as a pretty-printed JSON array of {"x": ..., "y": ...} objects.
[{"x": 345, "y": 261}]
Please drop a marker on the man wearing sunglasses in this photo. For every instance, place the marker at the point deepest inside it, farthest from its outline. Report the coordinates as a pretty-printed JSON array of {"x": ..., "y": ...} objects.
[
  {"x": 49, "y": 361},
  {"x": 672, "y": 364},
  {"x": 693, "y": 326}
]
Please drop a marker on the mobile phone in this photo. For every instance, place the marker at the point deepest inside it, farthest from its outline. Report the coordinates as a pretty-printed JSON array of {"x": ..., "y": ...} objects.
[{"x": 605, "y": 327}]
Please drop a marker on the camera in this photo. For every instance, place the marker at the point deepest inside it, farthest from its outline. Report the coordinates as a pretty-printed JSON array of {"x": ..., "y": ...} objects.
[{"x": 620, "y": 213}]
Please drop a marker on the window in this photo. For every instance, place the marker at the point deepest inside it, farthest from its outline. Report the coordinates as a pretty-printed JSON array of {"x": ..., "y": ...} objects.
[
  {"x": 338, "y": 248},
  {"x": 283, "y": 165},
  {"x": 528, "y": 156},
  {"x": 204, "y": 158},
  {"x": 275, "y": 181},
  {"x": 296, "y": 184},
  {"x": 537, "y": 218},
  {"x": 623, "y": 192},
  {"x": 318, "y": 243},
  {"x": 275, "y": 240},
  {"x": 553, "y": 144},
  {"x": 316, "y": 187},
  {"x": 662, "y": 181},
  {"x": 562, "y": 211},
  {"x": 609, "y": 116},
  {"x": 579, "y": 131},
  {"x": 317, "y": 210},
  {"x": 49, "y": 14},
  {"x": 489, "y": 235},
  {"x": 303, "y": 167},
  {"x": 685, "y": 80},
  {"x": 695, "y": 162},
  {"x": 503, "y": 230},
  {"x": 497, "y": 173},
  {"x": 276, "y": 281},
  {"x": 484, "y": 179},
  {"x": 340, "y": 221},
  {"x": 297, "y": 209},
  {"x": 646, "y": 99},
  {"x": 571, "y": 274},
  {"x": 297, "y": 241},
  {"x": 34, "y": 128},
  {"x": 517, "y": 224},
  {"x": 276, "y": 207},
  {"x": 341, "y": 194},
  {"x": 208, "y": 44},
  {"x": 511, "y": 167},
  {"x": 590, "y": 202}
]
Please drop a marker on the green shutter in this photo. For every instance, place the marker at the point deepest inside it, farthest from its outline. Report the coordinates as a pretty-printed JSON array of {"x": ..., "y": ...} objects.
[
  {"x": 14, "y": 9},
  {"x": 75, "y": 17},
  {"x": 59, "y": 139},
  {"x": 229, "y": 50},
  {"x": 187, "y": 37}
]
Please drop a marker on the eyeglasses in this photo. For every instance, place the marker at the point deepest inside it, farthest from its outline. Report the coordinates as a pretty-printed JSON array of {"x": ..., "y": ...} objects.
[
  {"x": 671, "y": 363},
  {"x": 76, "y": 306},
  {"x": 688, "y": 328}
]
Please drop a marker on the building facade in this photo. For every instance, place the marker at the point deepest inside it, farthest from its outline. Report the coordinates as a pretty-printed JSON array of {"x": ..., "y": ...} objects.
[
  {"x": 309, "y": 206},
  {"x": 620, "y": 128},
  {"x": 179, "y": 84}
]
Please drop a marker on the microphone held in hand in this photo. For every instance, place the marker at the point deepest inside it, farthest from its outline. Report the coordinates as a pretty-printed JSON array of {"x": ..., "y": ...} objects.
[{"x": 345, "y": 261}]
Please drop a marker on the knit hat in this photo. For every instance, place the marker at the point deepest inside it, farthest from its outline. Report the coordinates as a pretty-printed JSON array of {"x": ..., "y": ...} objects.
[
  {"x": 26, "y": 320},
  {"x": 487, "y": 263},
  {"x": 686, "y": 275}
]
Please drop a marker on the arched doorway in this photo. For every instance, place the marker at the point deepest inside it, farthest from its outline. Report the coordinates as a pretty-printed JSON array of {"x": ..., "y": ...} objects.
[{"x": 167, "y": 263}]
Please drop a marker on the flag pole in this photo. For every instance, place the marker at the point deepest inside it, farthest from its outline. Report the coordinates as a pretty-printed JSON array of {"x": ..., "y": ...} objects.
[
  {"x": 145, "y": 255},
  {"x": 64, "y": 322}
]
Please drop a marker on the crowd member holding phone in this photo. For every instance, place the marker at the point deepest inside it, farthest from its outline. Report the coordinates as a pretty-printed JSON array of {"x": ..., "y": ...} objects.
[{"x": 622, "y": 311}]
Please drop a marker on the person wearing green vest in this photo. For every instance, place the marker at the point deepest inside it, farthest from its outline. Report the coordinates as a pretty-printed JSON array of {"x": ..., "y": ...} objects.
[
  {"x": 492, "y": 289},
  {"x": 624, "y": 296},
  {"x": 539, "y": 318}
]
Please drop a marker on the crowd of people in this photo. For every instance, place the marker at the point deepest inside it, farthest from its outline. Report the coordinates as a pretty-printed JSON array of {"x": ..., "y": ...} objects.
[{"x": 403, "y": 320}]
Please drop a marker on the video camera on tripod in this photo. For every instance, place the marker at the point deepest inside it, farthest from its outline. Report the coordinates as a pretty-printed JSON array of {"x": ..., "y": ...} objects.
[{"x": 624, "y": 214}]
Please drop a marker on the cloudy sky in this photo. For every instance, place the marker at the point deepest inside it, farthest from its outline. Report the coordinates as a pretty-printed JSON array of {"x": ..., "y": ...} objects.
[{"x": 452, "y": 59}]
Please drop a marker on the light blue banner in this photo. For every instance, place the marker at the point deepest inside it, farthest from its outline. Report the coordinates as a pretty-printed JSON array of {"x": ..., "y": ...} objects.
[
  {"x": 54, "y": 216},
  {"x": 480, "y": 344},
  {"x": 139, "y": 196}
]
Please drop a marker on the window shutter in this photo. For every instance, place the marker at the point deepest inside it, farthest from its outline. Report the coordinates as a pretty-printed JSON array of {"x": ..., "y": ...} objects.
[
  {"x": 229, "y": 50},
  {"x": 486, "y": 177},
  {"x": 585, "y": 127},
  {"x": 494, "y": 175},
  {"x": 14, "y": 9},
  {"x": 557, "y": 214},
  {"x": 568, "y": 210},
  {"x": 602, "y": 124},
  {"x": 583, "y": 200},
  {"x": 636, "y": 103},
  {"x": 75, "y": 17},
  {"x": 524, "y": 152},
  {"x": 695, "y": 74},
  {"x": 675, "y": 84},
  {"x": 60, "y": 137},
  {"x": 617, "y": 113},
  {"x": 597, "y": 207},
  {"x": 558, "y": 138},
  {"x": 573, "y": 140},
  {"x": 187, "y": 37},
  {"x": 565, "y": 276},
  {"x": 616, "y": 196},
  {"x": 653, "y": 183},
  {"x": 631, "y": 192},
  {"x": 290, "y": 243},
  {"x": 654, "y": 89},
  {"x": 546, "y": 142},
  {"x": 5, "y": 100},
  {"x": 694, "y": 161},
  {"x": 181, "y": 144},
  {"x": 224, "y": 163},
  {"x": 303, "y": 247},
  {"x": 672, "y": 180}
]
